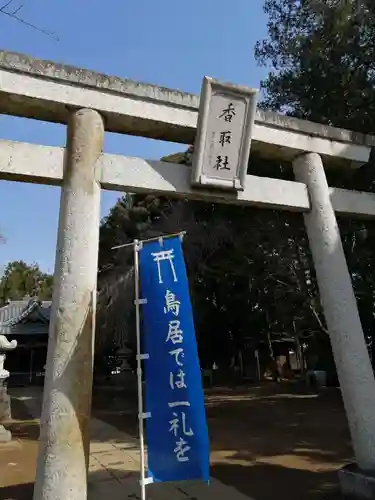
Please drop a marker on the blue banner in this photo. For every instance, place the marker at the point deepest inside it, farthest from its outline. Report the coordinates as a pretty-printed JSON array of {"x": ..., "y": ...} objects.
[{"x": 176, "y": 431}]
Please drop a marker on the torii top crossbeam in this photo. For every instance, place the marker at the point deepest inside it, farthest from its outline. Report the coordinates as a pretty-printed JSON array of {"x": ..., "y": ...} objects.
[{"x": 47, "y": 91}]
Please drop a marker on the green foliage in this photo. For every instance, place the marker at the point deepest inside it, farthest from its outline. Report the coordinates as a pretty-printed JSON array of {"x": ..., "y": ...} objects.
[
  {"x": 250, "y": 270},
  {"x": 322, "y": 61},
  {"x": 321, "y": 56},
  {"x": 20, "y": 280}
]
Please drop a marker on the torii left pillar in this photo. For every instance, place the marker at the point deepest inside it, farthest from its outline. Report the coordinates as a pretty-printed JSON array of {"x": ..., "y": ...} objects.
[{"x": 64, "y": 441}]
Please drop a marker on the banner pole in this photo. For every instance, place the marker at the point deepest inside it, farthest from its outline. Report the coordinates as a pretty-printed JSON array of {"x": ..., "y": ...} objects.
[{"x": 139, "y": 369}]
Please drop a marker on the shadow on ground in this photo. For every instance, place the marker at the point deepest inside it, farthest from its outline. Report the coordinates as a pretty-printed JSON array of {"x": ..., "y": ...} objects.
[
  {"x": 279, "y": 420},
  {"x": 274, "y": 437},
  {"x": 266, "y": 481},
  {"x": 267, "y": 439},
  {"x": 18, "y": 462},
  {"x": 278, "y": 438},
  {"x": 98, "y": 489}
]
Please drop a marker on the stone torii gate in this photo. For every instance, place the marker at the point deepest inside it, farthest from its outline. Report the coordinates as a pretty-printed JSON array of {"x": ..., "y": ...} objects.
[{"x": 89, "y": 103}]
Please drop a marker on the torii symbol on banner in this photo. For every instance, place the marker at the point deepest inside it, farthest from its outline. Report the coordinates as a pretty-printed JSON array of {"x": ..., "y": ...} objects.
[{"x": 164, "y": 255}]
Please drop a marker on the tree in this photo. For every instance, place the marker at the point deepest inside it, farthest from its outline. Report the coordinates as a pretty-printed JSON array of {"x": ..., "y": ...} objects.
[
  {"x": 20, "y": 280},
  {"x": 322, "y": 69},
  {"x": 250, "y": 270},
  {"x": 321, "y": 59},
  {"x": 237, "y": 259}
]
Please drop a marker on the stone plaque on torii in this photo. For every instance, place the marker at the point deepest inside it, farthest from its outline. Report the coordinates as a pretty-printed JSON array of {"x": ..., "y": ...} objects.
[{"x": 222, "y": 143}]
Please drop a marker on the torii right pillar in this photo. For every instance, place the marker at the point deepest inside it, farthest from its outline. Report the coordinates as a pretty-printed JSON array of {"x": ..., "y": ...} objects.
[{"x": 351, "y": 356}]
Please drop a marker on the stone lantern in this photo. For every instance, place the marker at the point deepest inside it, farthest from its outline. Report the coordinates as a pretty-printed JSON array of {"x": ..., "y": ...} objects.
[{"x": 5, "y": 412}]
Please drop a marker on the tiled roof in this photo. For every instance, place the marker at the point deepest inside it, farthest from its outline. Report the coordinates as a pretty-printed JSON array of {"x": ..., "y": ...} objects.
[
  {"x": 13, "y": 313},
  {"x": 12, "y": 310}
]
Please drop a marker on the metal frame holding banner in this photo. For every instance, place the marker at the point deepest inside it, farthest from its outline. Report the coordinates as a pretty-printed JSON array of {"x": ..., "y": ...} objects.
[{"x": 173, "y": 404}]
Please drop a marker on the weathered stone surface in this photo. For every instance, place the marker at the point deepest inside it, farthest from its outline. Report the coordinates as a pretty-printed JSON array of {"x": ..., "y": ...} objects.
[
  {"x": 64, "y": 440},
  {"x": 5, "y": 436},
  {"x": 5, "y": 408},
  {"x": 22, "y": 63},
  {"x": 350, "y": 352},
  {"x": 356, "y": 484},
  {"x": 54, "y": 90}
]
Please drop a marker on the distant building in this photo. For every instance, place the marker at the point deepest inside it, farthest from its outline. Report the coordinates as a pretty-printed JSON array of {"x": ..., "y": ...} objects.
[{"x": 26, "y": 321}]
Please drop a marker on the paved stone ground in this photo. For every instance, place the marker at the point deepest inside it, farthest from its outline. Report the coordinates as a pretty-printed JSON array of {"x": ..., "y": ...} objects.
[{"x": 114, "y": 465}]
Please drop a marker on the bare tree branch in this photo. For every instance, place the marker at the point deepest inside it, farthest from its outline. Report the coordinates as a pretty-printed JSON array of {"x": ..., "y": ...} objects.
[
  {"x": 17, "y": 10},
  {"x": 6, "y": 5},
  {"x": 5, "y": 9}
]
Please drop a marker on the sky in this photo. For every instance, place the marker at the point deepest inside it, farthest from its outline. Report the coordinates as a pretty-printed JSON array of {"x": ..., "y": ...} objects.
[{"x": 163, "y": 42}]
